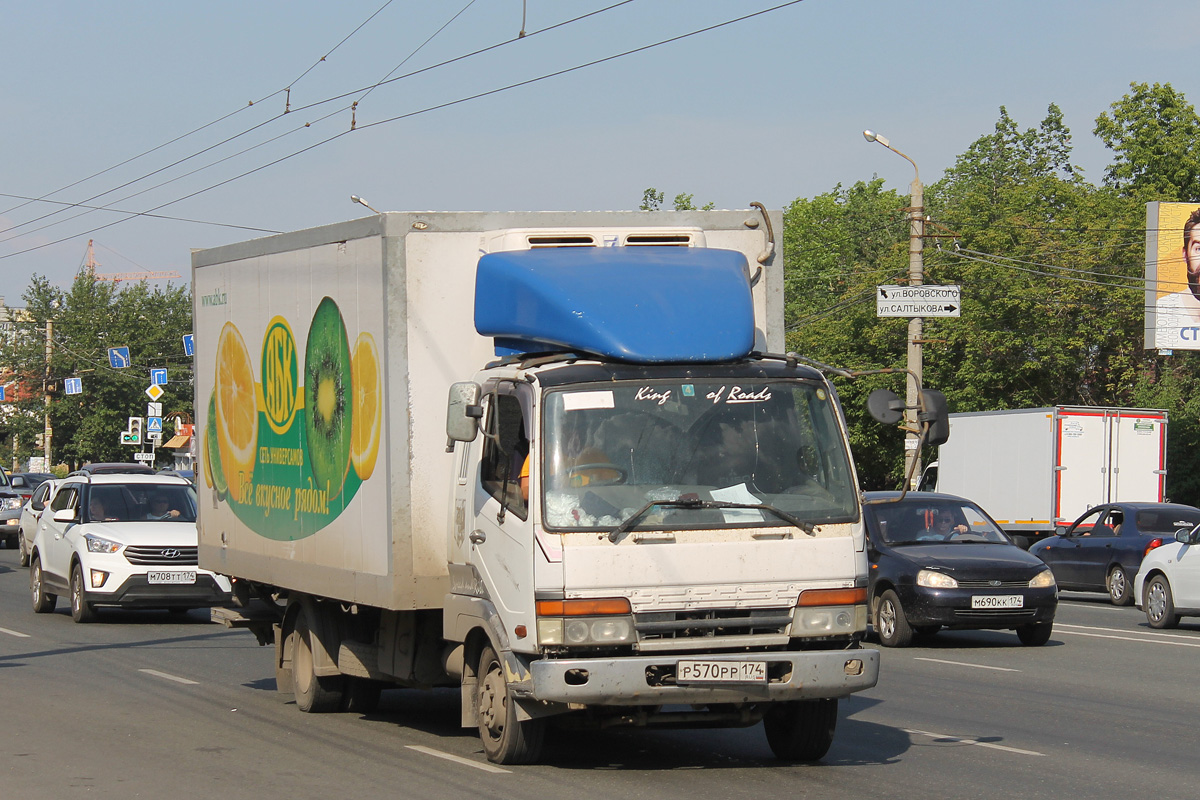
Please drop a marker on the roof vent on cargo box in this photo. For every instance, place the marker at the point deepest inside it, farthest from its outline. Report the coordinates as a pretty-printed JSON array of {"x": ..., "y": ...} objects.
[
  {"x": 635, "y": 304},
  {"x": 562, "y": 241},
  {"x": 671, "y": 239}
]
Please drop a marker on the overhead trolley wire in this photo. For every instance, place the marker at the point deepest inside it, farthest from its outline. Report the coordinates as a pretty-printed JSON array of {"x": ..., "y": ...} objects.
[{"x": 425, "y": 110}]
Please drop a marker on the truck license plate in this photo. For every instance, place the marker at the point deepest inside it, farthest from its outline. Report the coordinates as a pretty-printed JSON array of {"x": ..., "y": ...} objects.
[
  {"x": 163, "y": 576},
  {"x": 998, "y": 601},
  {"x": 721, "y": 672}
]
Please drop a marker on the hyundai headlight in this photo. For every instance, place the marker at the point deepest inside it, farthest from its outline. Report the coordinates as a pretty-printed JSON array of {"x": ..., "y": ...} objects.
[
  {"x": 95, "y": 544},
  {"x": 932, "y": 579},
  {"x": 1043, "y": 580}
]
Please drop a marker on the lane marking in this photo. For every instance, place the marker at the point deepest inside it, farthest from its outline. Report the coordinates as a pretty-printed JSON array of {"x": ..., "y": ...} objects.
[
  {"x": 966, "y": 740},
  {"x": 1164, "y": 634},
  {"x": 169, "y": 677},
  {"x": 964, "y": 664},
  {"x": 18, "y": 634},
  {"x": 429, "y": 751},
  {"x": 1142, "y": 639}
]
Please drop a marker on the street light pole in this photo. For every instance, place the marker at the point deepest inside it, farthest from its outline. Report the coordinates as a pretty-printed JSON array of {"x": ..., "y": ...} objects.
[
  {"x": 916, "y": 325},
  {"x": 46, "y": 429}
]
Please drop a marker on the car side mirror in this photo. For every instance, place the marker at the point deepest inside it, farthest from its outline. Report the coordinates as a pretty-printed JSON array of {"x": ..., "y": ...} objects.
[
  {"x": 65, "y": 515},
  {"x": 463, "y": 412}
]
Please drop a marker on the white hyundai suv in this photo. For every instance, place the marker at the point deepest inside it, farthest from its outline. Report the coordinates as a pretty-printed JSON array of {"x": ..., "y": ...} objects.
[{"x": 121, "y": 540}]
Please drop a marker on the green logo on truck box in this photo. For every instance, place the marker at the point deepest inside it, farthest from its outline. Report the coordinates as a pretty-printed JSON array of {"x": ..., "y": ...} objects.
[{"x": 288, "y": 458}]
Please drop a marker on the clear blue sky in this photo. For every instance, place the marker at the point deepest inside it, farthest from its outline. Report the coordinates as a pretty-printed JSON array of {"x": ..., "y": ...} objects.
[{"x": 768, "y": 109}]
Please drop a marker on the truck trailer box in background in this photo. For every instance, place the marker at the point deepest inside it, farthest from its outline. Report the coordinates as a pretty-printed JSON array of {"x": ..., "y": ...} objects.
[
  {"x": 1038, "y": 468},
  {"x": 684, "y": 544}
]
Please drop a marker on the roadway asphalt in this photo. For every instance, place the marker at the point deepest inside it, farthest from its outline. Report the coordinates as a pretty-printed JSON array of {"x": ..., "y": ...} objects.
[{"x": 141, "y": 704}]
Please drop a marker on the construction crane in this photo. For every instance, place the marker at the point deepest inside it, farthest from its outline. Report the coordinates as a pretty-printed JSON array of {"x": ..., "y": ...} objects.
[{"x": 145, "y": 275}]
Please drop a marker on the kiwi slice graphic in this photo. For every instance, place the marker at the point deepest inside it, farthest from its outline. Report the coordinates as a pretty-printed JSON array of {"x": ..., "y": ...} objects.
[
  {"x": 327, "y": 398},
  {"x": 212, "y": 453}
]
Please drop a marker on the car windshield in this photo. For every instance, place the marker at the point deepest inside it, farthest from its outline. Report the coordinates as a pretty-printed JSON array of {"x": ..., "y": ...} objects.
[
  {"x": 702, "y": 449},
  {"x": 931, "y": 521},
  {"x": 130, "y": 502}
]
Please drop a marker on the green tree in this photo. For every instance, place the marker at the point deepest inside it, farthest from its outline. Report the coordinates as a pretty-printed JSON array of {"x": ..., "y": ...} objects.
[
  {"x": 86, "y": 320},
  {"x": 1154, "y": 134},
  {"x": 652, "y": 200}
]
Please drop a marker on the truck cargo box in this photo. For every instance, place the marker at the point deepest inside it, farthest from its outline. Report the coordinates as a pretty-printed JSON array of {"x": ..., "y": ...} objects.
[{"x": 323, "y": 361}]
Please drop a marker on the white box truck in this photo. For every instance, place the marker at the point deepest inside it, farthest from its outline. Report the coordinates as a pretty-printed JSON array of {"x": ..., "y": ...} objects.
[
  {"x": 542, "y": 457},
  {"x": 1036, "y": 469}
]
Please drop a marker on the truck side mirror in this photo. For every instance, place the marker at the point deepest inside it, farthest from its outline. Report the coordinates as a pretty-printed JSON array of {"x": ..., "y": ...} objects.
[
  {"x": 885, "y": 406},
  {"x": 463, "y": 412},
  {"x": 936, "y": 415}
]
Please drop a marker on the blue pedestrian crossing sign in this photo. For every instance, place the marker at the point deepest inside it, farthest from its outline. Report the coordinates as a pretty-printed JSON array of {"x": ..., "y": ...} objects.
[
  {"x": 158, "y": 377},
  {"x": 118, "y": 357},
  {"x": 153, "y": 424},
  {"x": 188, "y": 348},
  {"x": 73, "y": 385}
]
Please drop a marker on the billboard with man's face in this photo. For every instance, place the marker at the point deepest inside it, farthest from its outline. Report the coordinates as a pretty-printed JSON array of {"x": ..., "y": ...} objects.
[{"x": 1172, "y": 276}]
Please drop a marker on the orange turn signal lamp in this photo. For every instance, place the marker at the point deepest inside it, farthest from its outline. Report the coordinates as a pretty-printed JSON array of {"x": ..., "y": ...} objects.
[
  {"x": 585, "y": 608},
  {"x": 833, "y": 597}
]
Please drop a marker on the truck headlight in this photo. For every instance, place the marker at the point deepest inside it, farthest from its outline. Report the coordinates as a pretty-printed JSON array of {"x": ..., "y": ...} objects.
[
  {"x": 606, "y": 621},
  {"x": 932, "y": 579},
  {"x": 1042, "y": 580},
  {"x": 10, "y": 502},
  {"x": 823, "y": 612}
]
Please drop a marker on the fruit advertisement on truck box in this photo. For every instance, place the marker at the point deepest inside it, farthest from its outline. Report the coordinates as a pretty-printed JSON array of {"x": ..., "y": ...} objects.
[{"x": 294, "y": 418}]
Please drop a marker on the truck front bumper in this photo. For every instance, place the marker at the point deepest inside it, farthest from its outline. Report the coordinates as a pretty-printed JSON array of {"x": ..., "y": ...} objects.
[{"x": 650, "y": 680}]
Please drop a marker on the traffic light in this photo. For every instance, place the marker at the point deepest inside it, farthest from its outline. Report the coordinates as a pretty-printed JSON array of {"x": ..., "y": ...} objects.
[{"x": 132, "y": 434}]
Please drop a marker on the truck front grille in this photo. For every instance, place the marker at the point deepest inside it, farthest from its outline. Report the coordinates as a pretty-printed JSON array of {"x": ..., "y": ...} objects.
[
  {"x": 720, "y": 622},
  {"x": 160, "y": 555}
]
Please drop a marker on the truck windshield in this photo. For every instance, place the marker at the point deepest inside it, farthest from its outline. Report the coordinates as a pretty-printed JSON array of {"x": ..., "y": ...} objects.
[{"x": 609, "y": 450}]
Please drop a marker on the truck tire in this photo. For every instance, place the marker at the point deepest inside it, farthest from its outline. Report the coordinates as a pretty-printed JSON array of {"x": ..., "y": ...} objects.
[
  {"x": 1160, "y": 604},
  {"x": 81, "y": 610},
  {"x": 506, "y": 740},
  {"x": 890, "y": 622},
  {"x": 361, "y": 695},
  {"x": 801, "y": 730},
  {"x": 43, "y": 601},
  {"x": 315, "y": 694},
  {"x": 1120, "y": 591}
]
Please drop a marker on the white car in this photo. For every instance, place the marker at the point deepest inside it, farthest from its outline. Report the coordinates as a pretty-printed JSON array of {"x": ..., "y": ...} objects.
[
  {"x": 31, "y": 516},
  {"x": 121, "y": 540},
  {"x": 1167, "y": 586}
]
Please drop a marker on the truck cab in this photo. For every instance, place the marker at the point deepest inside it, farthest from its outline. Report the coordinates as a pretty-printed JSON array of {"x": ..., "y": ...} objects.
[{"x": 643, "y": 532}]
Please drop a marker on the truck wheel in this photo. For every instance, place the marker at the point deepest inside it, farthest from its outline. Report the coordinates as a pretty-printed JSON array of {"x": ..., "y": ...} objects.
[
  {"x": 890, "y": 622},
  {"x": 506, "y": 740},
  {"x": 1160, "y": 605},
  {"x": 81, "y": 610},
  {"x": 361, "y": 695},
  {"x": 43, "y": 601},
  {"x": 1119, "y": 590},
  {"x": 801, "y": 730},
  {"x": 315, "y": 694},
  {"x": 1035, "y": 634}
]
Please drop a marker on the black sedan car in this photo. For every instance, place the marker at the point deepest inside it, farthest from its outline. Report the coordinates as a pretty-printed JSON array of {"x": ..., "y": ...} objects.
[
  {"x": 1103, "y": 549},
  {"x": 939, "y": 561}
]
